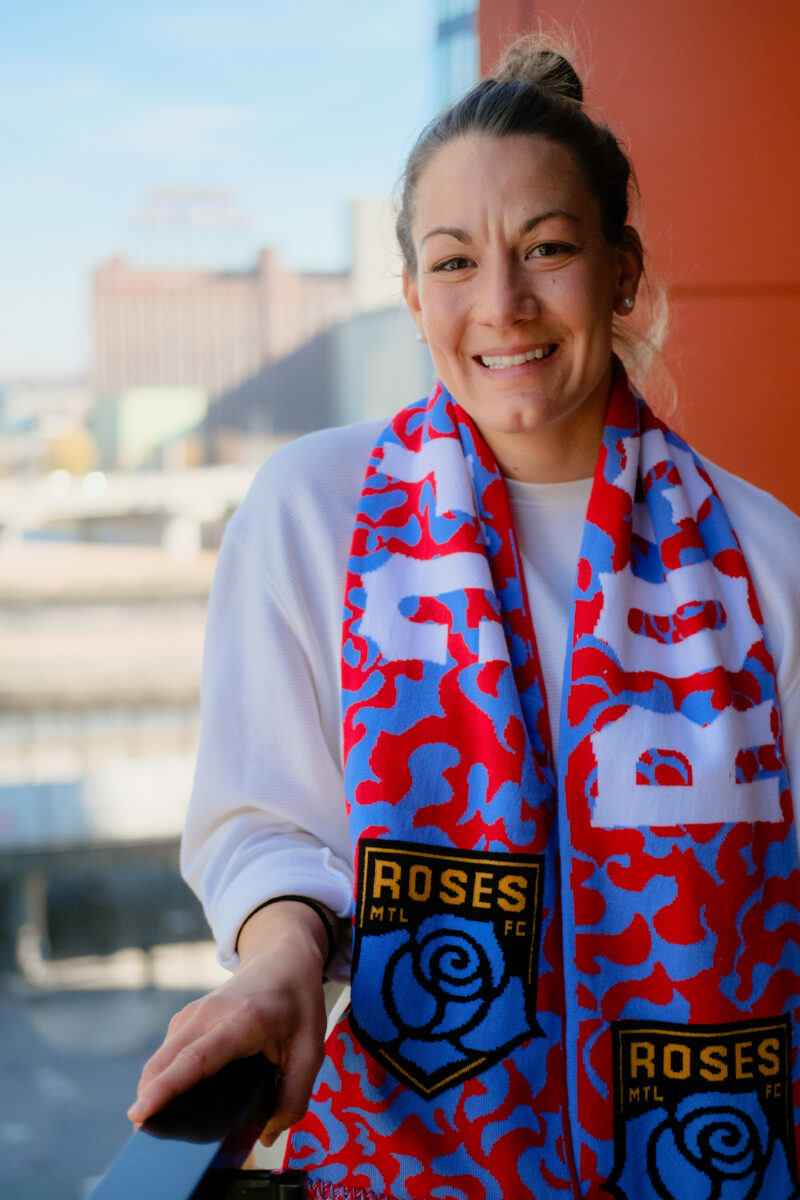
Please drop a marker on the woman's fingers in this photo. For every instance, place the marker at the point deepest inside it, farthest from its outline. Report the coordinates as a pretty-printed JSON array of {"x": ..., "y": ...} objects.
[
  {"x": 299, "y": 1071},
  {"x": 181, "y": 1069},
  {"x": 199, "y": 1043},
  {"x": 180, "y": 1063},
  {"x": 178, "y": 1035},
  {"x": 193, "y": 1062},
  {"x": 273, "y": 1005}
]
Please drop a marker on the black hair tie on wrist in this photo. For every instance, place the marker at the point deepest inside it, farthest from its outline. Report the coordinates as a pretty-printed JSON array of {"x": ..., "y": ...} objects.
[{"x": 318, "y": 909}]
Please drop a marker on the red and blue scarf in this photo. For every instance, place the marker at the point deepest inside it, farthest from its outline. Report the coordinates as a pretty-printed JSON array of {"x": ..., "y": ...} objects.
[{"x": 574, "y": 978}]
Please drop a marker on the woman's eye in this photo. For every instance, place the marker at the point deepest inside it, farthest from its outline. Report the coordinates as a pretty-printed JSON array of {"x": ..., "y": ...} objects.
[
  {"x": 549, "y": 249},
  {"x": 457, "y": 263}
]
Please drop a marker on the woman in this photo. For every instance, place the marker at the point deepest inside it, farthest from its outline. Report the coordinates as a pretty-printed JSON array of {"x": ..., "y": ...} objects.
[{"x": 576, "y": 958}]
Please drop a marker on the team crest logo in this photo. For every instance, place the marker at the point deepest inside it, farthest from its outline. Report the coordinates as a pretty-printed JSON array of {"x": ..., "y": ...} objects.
[
  {"x": 703, "y": 1111},
  {"x": 445, "y": 959}
]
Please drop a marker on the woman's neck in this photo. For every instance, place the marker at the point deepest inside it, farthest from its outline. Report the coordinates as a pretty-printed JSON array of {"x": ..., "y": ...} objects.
[{"x": 553, "y": 455}]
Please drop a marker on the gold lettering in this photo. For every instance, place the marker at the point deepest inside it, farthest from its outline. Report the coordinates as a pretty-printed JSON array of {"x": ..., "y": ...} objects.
[
  {"x": 387, "y": 875},
  {"x": 681, "y": 1071},
  {"x": 415, "y": 891},
  {"x": 522, "y": 928},
  {"x": 452, "y": 880},
  {"x": 642, "y": 1055},
  {"x": 742, "y": 1059},
  {"x": 715, "y": 1068},
  {"x": 515, "y": 896},
  {"x": 480, "y": 889},
  {"x": 376, "y": 912},
  {"x": 633, "y": 1094},
  {"x": 768, "y": 1052}
]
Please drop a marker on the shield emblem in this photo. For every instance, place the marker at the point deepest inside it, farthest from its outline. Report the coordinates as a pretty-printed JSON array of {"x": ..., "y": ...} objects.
[
  {"x": 703, "y": 1110},
  {"x": 445, "y": 959}
]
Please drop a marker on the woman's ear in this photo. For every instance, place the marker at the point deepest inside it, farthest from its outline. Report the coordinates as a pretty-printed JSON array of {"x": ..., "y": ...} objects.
[
  {"x": 631, "y": 264},
  {"x": 411, "y": 293}
]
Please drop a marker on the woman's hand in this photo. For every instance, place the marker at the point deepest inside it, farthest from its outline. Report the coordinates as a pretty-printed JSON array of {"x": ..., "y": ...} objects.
[{"x": 274, "y": 1004}]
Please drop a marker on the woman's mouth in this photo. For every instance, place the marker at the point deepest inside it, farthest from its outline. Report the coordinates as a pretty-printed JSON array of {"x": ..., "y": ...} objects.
[{"x": 498, "y": 362}]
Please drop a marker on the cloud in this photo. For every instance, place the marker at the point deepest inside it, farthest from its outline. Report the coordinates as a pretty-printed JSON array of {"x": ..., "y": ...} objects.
[
  {"x": 348, "y": 27},
  {"x": 206, "y": 29},
  {"x": 26, "y": 95},
  {"x": 178, "y": 132}
]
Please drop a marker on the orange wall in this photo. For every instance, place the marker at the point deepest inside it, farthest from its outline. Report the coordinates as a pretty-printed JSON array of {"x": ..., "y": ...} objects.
[{"x": 706, "y": 96}]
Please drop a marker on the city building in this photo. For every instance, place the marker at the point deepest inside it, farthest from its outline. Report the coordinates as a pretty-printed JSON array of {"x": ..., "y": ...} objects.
[
  {"x": 360, "y": 369},
  {"x": 457, "y": 48},
  {"x": 188, "y": 361},
  {"x": 169, "y": 343},
  {"x": 43, "y": 425},
  {"x": 376, "y": 267},
  {"x": 195, "y": 366}
]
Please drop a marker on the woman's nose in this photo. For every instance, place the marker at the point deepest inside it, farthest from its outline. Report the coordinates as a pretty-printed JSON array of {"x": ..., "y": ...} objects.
[{"x": 506, "y": 294}]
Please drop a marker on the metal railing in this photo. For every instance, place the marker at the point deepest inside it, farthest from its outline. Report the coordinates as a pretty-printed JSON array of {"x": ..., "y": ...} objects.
[{"x": 194, "y": 1148}]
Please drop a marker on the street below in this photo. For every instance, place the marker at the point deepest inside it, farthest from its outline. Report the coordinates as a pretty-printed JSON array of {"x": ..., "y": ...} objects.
[{"x": 72, "y": 1045}]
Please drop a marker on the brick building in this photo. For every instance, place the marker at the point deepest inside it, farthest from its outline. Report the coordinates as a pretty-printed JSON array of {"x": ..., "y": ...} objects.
[
  {"x": 205, "y": 328},
  {"x": 185, "y": 337}
]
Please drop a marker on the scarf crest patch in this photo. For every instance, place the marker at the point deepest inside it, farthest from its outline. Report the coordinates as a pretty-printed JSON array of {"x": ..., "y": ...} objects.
[{"x": 578, "y": 978}]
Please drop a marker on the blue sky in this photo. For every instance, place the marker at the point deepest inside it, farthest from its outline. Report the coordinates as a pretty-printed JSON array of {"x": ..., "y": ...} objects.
[{"x": 292, "y": 105}]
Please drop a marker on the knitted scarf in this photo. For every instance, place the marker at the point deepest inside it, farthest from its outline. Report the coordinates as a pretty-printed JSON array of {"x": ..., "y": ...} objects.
[{"x": 579, "y": 978}]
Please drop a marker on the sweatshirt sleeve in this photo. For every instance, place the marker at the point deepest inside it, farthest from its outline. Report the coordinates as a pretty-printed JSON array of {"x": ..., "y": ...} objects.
[{"x": 267, "y": 814}]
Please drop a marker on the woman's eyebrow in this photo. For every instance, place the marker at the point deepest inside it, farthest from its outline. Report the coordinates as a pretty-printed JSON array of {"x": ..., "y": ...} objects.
[
  {"x": 546, "y": 216},
  {"x": 460, "y": 235}
]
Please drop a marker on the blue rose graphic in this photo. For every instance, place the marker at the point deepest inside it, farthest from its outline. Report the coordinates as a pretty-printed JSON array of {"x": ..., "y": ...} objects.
[
  {"x": 446, "y": 978},
  {"x": 715, "y": 1146},
  {"x": 449, "y": 992}
]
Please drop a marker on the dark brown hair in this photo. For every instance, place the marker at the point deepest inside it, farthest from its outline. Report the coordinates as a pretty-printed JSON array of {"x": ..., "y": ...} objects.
[{"x": 534, "y": 90}]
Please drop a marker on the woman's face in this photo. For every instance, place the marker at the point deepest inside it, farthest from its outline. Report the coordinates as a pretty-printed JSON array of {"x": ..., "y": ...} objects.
[{"x": 515, "y": 291}]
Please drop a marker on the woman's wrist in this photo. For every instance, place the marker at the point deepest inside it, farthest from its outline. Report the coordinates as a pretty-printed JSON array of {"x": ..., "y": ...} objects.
[{"x": 293, "y": 915}]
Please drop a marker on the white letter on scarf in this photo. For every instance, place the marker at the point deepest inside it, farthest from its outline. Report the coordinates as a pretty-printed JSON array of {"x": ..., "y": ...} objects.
[
  {"x": 714, "y": 795},
  {"x": 401, "y": 577}
]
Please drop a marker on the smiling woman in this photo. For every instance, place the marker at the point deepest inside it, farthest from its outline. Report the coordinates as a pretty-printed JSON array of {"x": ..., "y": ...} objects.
[
  {"x": 514, "y": 289},
  {"x": 540, "y": 767}
]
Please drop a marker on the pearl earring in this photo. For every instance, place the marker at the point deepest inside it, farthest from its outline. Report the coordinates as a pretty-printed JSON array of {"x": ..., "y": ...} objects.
[
  {"x": 628, "y": 302},
  {"x": 420, "y": 338}
]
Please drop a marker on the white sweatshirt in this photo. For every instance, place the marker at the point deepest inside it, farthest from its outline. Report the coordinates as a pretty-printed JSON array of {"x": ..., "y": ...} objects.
[{"x": 267, "y": 815}]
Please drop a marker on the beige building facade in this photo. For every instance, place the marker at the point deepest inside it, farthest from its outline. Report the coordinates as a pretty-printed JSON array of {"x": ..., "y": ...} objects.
[
  {"x": 208, "y": 329},
  {"x": 172, "y": 332}
]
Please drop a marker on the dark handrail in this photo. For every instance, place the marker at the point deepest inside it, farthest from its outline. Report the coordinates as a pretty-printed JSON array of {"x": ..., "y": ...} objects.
[{"x": 192, "y": 1148}]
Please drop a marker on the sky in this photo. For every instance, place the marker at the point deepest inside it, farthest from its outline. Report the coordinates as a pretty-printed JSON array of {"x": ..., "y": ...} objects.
[{"x": 293, "y": 107}]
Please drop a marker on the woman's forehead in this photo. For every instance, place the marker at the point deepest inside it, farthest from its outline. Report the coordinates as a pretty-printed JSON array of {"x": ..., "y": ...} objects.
[{"x": 515, "y": 178}]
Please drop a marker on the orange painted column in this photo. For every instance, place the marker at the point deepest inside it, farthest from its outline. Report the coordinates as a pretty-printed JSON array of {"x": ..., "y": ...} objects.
[{"x": 706, "y": 97}]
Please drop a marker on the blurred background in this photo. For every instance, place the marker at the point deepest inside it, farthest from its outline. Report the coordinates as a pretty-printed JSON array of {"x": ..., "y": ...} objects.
[{"x": 196, "y": 264}]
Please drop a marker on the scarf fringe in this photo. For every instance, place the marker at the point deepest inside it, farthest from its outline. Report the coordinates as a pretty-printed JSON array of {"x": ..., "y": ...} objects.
[{"x": 335, "y": 1191}]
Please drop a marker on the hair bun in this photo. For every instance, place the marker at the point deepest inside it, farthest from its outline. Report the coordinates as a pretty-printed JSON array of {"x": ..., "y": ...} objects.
[{"x": 534, "y": 61}]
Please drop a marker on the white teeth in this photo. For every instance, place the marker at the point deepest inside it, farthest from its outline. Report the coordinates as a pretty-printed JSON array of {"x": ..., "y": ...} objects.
[{"x": 515, "y": 360}]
